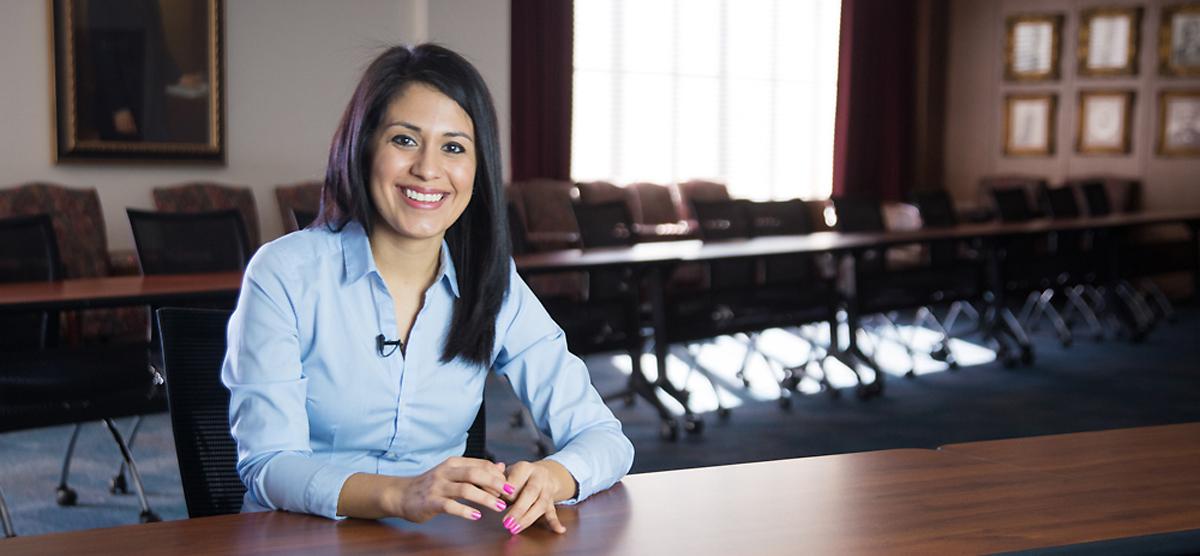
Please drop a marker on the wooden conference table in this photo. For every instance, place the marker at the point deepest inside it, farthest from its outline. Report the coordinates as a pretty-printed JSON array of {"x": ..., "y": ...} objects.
[
  {"x": 965, "y": 498},
  {"x": 116, "y": 291}
]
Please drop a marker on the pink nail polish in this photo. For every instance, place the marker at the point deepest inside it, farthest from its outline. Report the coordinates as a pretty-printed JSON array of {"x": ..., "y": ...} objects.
[
  {"x": 476, "y": 515},
  {"x": 500, "y": 505},
  {"x": 508, "y": 489},
  {"x": 508, "y": 522},
  {"x": 516, "y": 529}
]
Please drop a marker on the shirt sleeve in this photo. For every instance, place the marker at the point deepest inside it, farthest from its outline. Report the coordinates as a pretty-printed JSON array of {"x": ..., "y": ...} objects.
[
  {"x": 268, "y": 393},
  {"x": 554, "y": 384}
]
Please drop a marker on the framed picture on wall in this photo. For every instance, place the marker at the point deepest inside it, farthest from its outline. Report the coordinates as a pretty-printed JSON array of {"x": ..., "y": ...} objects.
[
  {"x": 1179, "y": 40},
  {"x": 1032, "y": 46},
  {"x": 138, "y": 80},
  {"x": 1108, "y": 41},
  {"x": 1179, "y": 123},
  {"x": 1104, "y": 122},
  {"x": 1029, "y": 124}
]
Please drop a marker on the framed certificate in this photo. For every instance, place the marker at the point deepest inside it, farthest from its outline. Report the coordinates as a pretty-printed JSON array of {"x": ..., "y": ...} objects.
[
  {"x": 1179, "y": 123},
  {"x": 1179, "y": 40},
  {"x": 1108, "y": 41},
  {"x": 1029, "y": 124},
  {"x": 1104, "y": 122},
  {"x": 1032, "y": 47}
]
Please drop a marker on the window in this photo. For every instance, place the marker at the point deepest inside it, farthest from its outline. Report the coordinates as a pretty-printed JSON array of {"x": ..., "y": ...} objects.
[{"x": 739, "y": 91}]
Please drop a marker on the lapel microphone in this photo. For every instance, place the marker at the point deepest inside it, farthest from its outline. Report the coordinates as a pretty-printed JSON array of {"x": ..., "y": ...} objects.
[{"x": 381, "y": 342}]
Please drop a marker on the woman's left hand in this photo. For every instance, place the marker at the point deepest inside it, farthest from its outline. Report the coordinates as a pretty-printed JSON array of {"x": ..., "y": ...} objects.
[{"x": 537, "y": 486}]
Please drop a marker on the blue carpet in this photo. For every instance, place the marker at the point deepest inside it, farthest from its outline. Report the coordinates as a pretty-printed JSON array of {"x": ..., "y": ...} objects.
[{"x": 1090, "y": 386}]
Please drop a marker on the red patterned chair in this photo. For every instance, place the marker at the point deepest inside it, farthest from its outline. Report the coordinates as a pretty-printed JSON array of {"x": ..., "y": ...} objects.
[
  {"x": 297, "y": 200},
  {"x": 545, "y": 209},
  {"x": 656, "y": 214},
  {"x": 83, "y": 247},
  {"x": 199, "y": 197}
]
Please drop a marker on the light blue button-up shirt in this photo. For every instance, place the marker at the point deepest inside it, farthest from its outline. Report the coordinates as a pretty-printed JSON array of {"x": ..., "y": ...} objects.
[{"x": 313, "y": 402}]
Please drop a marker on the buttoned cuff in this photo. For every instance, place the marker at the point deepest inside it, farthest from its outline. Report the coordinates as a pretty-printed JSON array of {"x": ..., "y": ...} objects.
[
  {"x": 580, "y": 471},
  {"x": 324, "y": 489}
]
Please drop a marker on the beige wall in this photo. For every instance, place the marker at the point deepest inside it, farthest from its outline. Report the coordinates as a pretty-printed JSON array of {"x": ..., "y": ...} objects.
[
  {"x": 290, "y": 68},
  {"x": 975, "y": 92}
]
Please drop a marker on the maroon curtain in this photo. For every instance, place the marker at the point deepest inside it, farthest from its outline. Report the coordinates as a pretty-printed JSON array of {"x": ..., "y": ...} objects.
[
  {"x": 542, "y": 70},
  {"x": 873, "y": 137}
]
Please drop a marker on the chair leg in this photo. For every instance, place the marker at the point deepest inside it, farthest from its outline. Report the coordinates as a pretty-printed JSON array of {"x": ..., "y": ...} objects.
[
  {"x": 1160, "y": 299},
  {"x": 117, "y": 484},
  {"x": 147, "y": 514},
  {"x": 6, "y": 519},
  {"x": 1076, "y": 301},
  {"x": 64, "y": 494},
  {"x": 1060, "y": 325}
]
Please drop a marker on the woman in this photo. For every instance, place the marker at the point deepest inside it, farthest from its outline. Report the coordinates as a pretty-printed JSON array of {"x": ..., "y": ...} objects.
[{"x": 359, "y": 348}]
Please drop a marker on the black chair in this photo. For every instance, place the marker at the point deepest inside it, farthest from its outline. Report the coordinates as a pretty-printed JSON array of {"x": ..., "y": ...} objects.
[
  {"x": 1075, "y": 251},
  {"x": 193, "y": 347},
  {"x": 183, "y": 243},
  {"x": 938, "y": 212},
  {"x": 44, "y": 385}
]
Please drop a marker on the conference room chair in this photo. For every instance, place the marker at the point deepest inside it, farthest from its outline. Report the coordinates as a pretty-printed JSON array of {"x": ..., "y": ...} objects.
[
  {"x": 656, "y": 213},
  {"x": 886, "y": 285},
  {"x": 191, "y": 242},
  {"x": 544, "y": 206},
  {"x": 1075, "y": 249},
  {"x": 937, "y": 211},
  {"x": 1029, "y": 265},
  {"x": 787, "y": 276},
  {"x": 43, "y": 384},
  {"x": 298, "y": 204},
  {"x": 193, "y": 348},
  {"x": 80, "y": 233},
  {"x": 205, "y": 197},
  {"x": 699, "y": 191}
]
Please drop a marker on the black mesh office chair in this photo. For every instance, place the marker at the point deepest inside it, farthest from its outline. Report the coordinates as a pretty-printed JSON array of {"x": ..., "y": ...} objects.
[
  {"x": 44, "y": 385},
  {"x": 182, "y": 243},
  {"x": 1075, "y": 251},
  {"x": 193, "y": 347},
  {"x": 938, "y": 212}
]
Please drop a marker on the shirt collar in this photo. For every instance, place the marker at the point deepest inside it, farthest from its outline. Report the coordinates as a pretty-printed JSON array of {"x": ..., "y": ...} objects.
[{"x": 359, "y": 261}]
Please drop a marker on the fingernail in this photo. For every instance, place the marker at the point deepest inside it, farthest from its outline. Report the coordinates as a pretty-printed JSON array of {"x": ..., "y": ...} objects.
[
  {"x": 516, "y": 529},
  {"x": 476, "y": 515},
  {"x": 508, "y": 522},
  {"x": 508, "y": 489},
  {"x": 500, "y": 505}
]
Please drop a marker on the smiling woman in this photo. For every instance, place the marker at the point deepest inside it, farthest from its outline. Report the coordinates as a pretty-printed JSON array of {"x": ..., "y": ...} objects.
[{"x": 410, "y": 250}]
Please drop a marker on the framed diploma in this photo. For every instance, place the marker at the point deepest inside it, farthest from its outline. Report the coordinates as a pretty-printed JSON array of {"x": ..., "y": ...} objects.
[
  {"x": 1029, "y": 124},
  {"x": 1179, "y": 123},
  {"x": 1104, "y": 122},
  {"x": 1108, "y": 41},
  {"x": 1179, "y": 40},
  {"x": 1032, "y": 46}
]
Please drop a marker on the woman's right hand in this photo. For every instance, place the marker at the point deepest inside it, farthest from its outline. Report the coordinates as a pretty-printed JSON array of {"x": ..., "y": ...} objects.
[{"x": 441, "y": 490}]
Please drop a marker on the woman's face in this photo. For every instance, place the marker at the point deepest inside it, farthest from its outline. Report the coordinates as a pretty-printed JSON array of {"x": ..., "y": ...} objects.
[{"x": 423, "y": 170}]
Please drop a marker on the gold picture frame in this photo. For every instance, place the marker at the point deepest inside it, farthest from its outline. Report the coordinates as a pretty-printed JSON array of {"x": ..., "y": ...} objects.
[
  {"x": 1104, "y": 122},
  {"x": 1108, "y": 41},
  {"x": 137, "y": 82},
  {"x": 1033, "y": 46},
  {"x": 1179, "y": 123},
  {"x": 1030, "y": 124},
  {"x": 1179, "y": 40}
]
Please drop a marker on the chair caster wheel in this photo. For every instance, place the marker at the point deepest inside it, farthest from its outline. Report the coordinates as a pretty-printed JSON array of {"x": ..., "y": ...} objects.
[
  {"x": 834, "y": 393},
  {"x": 785, "y": 402},
  {"x": 868, "y": 391},
  {"x": 149, "y": 517},
  {"x": 117, "y": 485},
  {"x": 910, "y": 374},
  {"x": 66, "y": 496},
  {"x": 669, "y": 430},
  {"x": 1026, "y": 357},
  {"x": 724, "y": 412},
  {"x": 693, "y": 425}
]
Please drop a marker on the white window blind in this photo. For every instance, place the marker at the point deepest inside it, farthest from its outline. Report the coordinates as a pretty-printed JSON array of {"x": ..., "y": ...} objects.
[{"x": 738, "y": 91}]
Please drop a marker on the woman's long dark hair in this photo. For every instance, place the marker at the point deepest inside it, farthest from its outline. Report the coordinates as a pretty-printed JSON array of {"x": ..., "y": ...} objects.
[{"x": 479, "y": 244}]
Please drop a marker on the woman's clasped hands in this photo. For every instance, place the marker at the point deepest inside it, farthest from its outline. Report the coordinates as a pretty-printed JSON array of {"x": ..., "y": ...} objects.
[{"x": 525, "y": 492}]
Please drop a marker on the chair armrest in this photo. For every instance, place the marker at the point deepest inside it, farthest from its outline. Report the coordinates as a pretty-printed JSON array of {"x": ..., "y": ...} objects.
[{"x": 123, "y": 262}]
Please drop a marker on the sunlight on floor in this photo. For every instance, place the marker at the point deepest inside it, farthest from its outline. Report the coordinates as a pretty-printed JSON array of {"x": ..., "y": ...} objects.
[{"x": 724, "y": 356}]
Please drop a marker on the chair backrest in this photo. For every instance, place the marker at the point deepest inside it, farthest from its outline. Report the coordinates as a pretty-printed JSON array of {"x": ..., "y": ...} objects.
[
  {"x": 28, "y": 253},
  {"x": 547, "y": 204},
  {"x": 700, "y": 190},
  {"x": 596, "y": 192},
  {"x": 778, "y": 218},
  {"x": 78, "y": 223},
  {"x": 1012, "y": 204},
  {"x": 936, "y": 207},
  {"x": 204, "y": 197},
  {"x": 653, "y": 204},
  {"x": 298, "y": 204},
  {"x": 604, "y": 224},
  {"x": 1095, "y": 196},
  {"x": 719, "y": 220},
  {"x": 1059, "y": 202},
  {"x": 193, "y": 348},
  {"x": 516, "y": 228},
  {"x": 180, "y": 243},
  {"x": 855, "y": 214}
]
